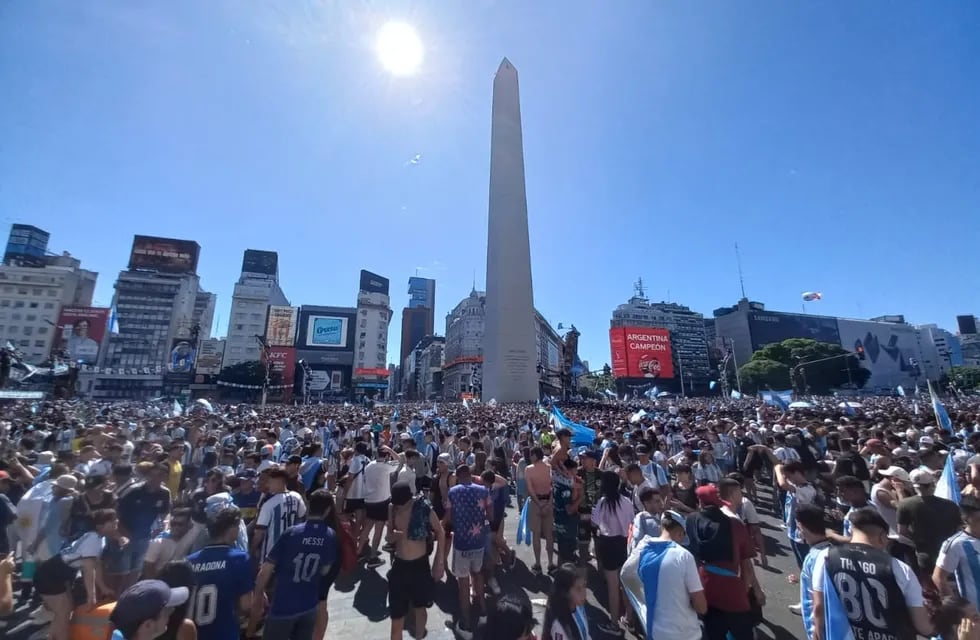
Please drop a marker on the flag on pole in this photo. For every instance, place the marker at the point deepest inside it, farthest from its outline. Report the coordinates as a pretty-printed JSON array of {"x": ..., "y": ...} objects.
[
  {"x": 178, "y": 410},
  {"x": 711, "y": 385},
  {"x": 582, "y": 436},
  {"x": 941, "y": 416},
  {"x": 466, "y": 404},
  {"x": 901, "y": 391},
  {"x": 915, "y": 407},
  {"x": 947, "y": 487},
  {"x": 113, "y": 321},
  {"x": 736, "y": 395},
  {"x": 780, "y": 399}
]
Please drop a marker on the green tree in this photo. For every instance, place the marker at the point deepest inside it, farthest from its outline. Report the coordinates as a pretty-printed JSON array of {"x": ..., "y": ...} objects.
[
  {"x": 815, "y": 367},
  {"x": 762, "y": 373},
  {"x": 965, "y": 378}
]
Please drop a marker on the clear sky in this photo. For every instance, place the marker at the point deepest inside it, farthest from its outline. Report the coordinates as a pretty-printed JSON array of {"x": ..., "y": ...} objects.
[{"x": 837, "y": 142}]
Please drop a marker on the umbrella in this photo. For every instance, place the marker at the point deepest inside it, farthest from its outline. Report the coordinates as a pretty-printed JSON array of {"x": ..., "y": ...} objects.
[
  {"x": 852, "y": 404},
  {"x": 800, "y": 405}
]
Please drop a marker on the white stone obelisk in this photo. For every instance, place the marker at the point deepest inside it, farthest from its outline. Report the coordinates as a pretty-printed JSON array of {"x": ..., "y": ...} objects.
[{"x": 509, "y": 353}]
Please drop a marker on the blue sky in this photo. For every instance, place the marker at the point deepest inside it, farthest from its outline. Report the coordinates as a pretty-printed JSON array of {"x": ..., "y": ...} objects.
[{"x": 837, "y": 143}]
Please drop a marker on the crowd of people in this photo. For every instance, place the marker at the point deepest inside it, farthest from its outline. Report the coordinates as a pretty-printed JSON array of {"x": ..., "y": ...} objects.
[{"x": 137, "y": 521}]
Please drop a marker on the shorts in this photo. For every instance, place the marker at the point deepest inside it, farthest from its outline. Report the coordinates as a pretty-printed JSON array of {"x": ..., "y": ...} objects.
[
  {"x": 54, "y": 577},
  {"x": 298, "y": 627},
  {"x": 541, "y": 520},
  {"x": 467, "y": 563},
  {"x": 128, "y": 559},
  {"x": 377, "y": 511},
  {"x": 410, "y": 586},
  {"x": 611, "y": 552},
  {"x": 353, "y": 505}
]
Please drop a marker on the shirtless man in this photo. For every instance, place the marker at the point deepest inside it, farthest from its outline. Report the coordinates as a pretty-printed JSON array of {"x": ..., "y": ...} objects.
[
  {"x": 411, "y": 583},
  {"x": 541, "y": 513},
  {"x": 560, "y": 448}
]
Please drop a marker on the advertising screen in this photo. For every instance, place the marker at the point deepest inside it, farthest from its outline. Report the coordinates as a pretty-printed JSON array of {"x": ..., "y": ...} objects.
[
  {"x": 209, "y": 357},
  {"x": 373, "y": 283},
  {"x": 82, "y": 330},
  {"x": 648, "y": 353},
  {"x": 371, "y": 372},
  {"x": 164, "y": 254},
  {"x": 617, "y": 349},
  {"x": 280, "y": 330},
  {"x": 183, "y": 355},
  {"x": 326, "y": 331},
  {"x": 264, "y": 262},
  {"x": 769, "y": 327},
  {"x": 282, "y": 361}
]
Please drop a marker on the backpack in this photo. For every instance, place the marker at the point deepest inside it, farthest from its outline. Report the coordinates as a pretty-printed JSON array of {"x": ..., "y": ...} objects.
[{"x": 348, "y": 548}]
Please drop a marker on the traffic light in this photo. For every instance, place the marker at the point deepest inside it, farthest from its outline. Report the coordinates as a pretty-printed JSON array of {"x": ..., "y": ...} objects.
[{"x": 860, "y": 351}]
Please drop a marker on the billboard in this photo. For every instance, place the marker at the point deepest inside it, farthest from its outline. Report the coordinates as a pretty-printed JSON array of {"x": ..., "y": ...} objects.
[
  {"x": 891, "y": 351},
  {"x": 182, "y": 357},
  {"x": 264, "y": 262},
  {"x": 648, "y": 353},
  {"x": 82, "y": 330},
  {"x": 373, "y": 283},
  {"x": 280, "y": 328},
  {"x": 164, "y": 254},
  {"x": 326, "y": 331},
  {"x": 371, "y": 372},
  {"x": 768, "y": 327},
  {"x": 617, "y": 347},
  {"x": 27, "y": 245},
  {"x": 209, "y": 357},
  {"x": 282, "y": 361}
]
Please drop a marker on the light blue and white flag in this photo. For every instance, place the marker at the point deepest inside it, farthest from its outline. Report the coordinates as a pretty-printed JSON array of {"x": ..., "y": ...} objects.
[
  {"x": 177, "y": 409},
  {"x": 848, "y": 409},
  {"x": 736, "y": 395},
  {"x": 947, "y": 487},
  {"x": 836, "y": 624},
  {"x": 113, "y": 321},
  {"x": 779, "y": 399},
  {"x": 466, "y": 404},
  {"x": 941, "y": 416},
  {"x": 582, "y": 436},
  {"x": 523, "y": 533},
  {"x": 712, "y": 384},
  {"x": 900, "y": 390}
]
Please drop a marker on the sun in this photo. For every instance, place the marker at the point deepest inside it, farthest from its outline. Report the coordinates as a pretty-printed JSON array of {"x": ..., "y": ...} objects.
[{"x": 399, "y": 48}]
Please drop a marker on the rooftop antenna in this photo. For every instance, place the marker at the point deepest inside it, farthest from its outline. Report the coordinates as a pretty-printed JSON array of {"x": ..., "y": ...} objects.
[
  {"x": 474, "y": 279},
  {"x": 738, "y": 261},
  {"x": 638, "y": 288}
]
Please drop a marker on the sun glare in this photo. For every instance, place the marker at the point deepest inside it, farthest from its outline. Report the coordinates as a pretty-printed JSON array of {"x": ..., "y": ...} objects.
[{"x": 399, "y": 48}]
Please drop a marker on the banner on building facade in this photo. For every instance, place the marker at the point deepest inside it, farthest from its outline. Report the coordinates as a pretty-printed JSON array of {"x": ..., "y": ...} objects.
[
  {"x": 641, "y": 352},
  {"x": 210, "y": 356},
  {"x": 281, "y": 362},
  {"x": 81, "y": 333},
  {"x": 280, "y": 330}
]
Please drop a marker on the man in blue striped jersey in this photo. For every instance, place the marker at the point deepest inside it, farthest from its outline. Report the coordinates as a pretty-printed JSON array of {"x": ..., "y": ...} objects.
[
  {"x": 810, "y": 523},
  {"x": 959, "y": 555}
]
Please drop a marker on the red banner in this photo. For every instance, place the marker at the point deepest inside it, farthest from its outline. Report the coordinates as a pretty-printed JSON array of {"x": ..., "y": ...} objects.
[
  {"x": 371, "y": 372},
  {"x": 641, "y": 352},
  {"x": 282, "y": 361},
  {"x": 617, "y": 346}
]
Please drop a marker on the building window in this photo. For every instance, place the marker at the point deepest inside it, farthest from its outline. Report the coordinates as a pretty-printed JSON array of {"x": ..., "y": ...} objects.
[
  {"x": 39, "y": 343},
  {"x": 49, "y": 305},
  {"x": 31, "y": 317},
  {"x": 42, "y": 330},
  {"x": 4, "y": 303},
  {"x": 37, "y": 292},
  {"x": 28, "y": 331},
  {"x": 19, "y": 304},
  {"x": 24, "y": 343},
  {"x": 239, "y": 327},
  {"x": 33, "y": 305}
]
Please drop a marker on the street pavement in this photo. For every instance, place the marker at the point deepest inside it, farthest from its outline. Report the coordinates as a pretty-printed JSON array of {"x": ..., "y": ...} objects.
[{"x": 358, "y": 603}]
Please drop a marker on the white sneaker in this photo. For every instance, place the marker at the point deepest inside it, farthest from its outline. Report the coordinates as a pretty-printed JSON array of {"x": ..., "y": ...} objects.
[
  {"x": 41, "y": 615},
  {"x": 494, "y": 586},
  {"x": 796, "y": 608}
]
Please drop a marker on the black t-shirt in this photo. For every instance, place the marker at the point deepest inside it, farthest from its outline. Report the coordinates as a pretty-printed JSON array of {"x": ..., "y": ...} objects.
[
  {"x": 931, "y": 520},
  {"x": 7, "y": 517}
]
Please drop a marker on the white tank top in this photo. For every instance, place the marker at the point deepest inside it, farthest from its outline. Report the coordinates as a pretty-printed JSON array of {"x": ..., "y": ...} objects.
[{"x": 890, "y": 514}]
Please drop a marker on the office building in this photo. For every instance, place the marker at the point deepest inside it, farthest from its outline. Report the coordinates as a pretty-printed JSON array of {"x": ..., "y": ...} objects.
[
  {"x": 463, "y": 357},
  {"x": 256, "y": 290},
  {"x": 373, "y": 319},
  {"x": 893, "y": 349},
  {"x": 418, "y": 318},
  {"x": 423, "y": 370},
  {"x": 162, "y": 315},
  {"x": 509, "y": 351},
  {"x": 32, "y": 296},
  {"x": 688, "y": 337}
]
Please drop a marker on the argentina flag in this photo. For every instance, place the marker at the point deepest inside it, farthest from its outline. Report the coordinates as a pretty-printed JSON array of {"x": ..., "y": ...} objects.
[
  {"x": 581, "y": 436},
  {"x": 941, "y": 416},
  {"x": 948, "y": 487}
]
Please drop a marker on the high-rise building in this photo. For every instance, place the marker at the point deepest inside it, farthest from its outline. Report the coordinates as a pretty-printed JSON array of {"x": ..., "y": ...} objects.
[
  {"x": 35, "y": 287},
  {"x": 940, "y": 350},
  {"x": 162, "y": 314},
  {"x": 256, "y": 290},
  {"x": 463, "y": 354},
  {"x": 418, "y": 318},
  {"x": 371, "y": 349},
  {"x": 892, "y": 347},
  {"x": 688, "y": 340},
  {"x": 509, "y": 366}
]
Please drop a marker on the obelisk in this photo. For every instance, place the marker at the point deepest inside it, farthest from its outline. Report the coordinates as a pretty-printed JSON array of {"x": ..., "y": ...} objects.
[{"x": 509, "y": 353}]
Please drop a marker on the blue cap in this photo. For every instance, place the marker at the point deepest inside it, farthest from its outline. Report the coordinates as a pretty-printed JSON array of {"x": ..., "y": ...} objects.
[{"x": 144, "y": 601}]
